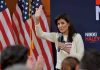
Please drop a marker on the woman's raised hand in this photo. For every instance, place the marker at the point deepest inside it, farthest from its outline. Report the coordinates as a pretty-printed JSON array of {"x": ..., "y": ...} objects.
[{"x": 38, "y": 12}]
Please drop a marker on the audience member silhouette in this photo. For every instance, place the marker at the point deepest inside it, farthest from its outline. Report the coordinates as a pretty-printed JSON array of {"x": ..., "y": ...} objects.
[
  {"x": 91, "y": 60},
  {"x": 70, "y": 63},
  {"x": 19, "y": 54}
]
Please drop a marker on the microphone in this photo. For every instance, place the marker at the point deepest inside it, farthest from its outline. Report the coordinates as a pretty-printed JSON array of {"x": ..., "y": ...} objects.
[{"x": 60, "y": 39}]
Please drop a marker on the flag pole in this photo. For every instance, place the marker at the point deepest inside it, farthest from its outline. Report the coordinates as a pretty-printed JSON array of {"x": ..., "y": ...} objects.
[{"x": 30, "y": 25}]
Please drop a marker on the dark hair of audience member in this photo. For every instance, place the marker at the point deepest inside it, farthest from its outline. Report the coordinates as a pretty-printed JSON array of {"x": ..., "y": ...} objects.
[{"x": 9, "y": 54}]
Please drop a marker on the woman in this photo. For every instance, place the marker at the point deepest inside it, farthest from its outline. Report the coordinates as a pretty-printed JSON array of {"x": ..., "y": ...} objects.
[{"x": 67, "y": 41}]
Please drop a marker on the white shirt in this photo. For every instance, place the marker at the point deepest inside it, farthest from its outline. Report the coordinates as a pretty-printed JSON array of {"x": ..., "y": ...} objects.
[{"x": 77, "y": 49}]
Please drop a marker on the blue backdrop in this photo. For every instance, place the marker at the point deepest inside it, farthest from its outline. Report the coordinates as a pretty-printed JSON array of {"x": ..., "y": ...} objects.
[{"x": 83, "y": 16}]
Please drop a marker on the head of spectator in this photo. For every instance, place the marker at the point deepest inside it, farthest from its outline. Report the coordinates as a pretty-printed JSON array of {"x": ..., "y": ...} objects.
[
  {"x": 19, "y": 54},
  {"x": 16, "y": 54},
  {"x": 70, "y": 63},
  {"x": 91, "y": 60}
]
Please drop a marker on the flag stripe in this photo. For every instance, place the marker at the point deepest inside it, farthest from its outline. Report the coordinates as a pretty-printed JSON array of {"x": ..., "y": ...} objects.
[
  {"x": 17, "y": 14},
  {"x": 42, "y": 47},
  {"x": 16, "y": 33},
  {"x": 45, "y": 27},
  {"x": 4, "y": 33},
  {"x": 21, "y": 26},
  {"x": 1, "y": 46},
  {"x": 43, "y": 52},
  {"x": 47, "y": 48},
  {"x": 5, "y": 14},
  {"x": 27, "y": 26},
  {"x": 16, "y": 28},
  {"x": 16, "y": 23},
  {"x": 2, "y": 40},
  {"x": 37, "y": 50}
]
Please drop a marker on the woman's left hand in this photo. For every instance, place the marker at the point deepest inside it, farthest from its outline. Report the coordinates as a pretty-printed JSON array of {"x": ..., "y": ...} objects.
[{"x": 64, "y": 47}]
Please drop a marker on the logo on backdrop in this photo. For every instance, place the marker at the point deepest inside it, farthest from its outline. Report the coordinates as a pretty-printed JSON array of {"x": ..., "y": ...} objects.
[
  {"x": 97, "y": 10},
  {"x": 92, "y": 37}
]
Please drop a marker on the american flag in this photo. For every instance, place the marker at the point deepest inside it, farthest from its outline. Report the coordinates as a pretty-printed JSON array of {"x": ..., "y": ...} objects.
[
  {"x": 6, "y": 29},
  {"x": 25, "y": 31}
]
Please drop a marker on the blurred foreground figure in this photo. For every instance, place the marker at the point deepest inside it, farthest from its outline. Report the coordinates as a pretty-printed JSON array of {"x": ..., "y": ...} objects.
[
  {"x": 17, "y": 67},
  {"x": 70, "y": 63},
  {"x": 18, "y": 54},
  {"x": 91, "y": 60}
]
